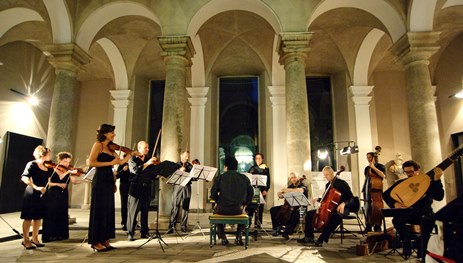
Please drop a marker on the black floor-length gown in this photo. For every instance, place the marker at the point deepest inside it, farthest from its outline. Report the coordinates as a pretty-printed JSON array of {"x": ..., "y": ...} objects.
[
  {"x": 34, "y": 206},
  {"x": 102, "y": 214},
  {"x": 56, "y": 222}
]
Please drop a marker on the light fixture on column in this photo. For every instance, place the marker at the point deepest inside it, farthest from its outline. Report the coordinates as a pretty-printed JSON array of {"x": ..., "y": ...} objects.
[
  {"x": 31, "y": 98},
  {"x": 322, "y": 153},
  {"x": 458, "y": 95},
  {"x": 349, "y": 149}
]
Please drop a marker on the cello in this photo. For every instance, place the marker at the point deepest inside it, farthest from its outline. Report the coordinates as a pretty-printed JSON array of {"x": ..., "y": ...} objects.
[{"x": 328, "y": 204}]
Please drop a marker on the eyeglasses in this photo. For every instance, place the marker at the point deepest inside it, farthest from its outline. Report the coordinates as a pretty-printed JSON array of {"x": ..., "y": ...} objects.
[{"x": 409, "y": 172}]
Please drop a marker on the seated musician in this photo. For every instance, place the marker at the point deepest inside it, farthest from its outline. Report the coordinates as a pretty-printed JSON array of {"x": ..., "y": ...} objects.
[
  {"x": 285, "y": 215},
  {"x": 345, "y": 203},
  {"x": 231, "y": 190},
  {"x": 421, "y": 214}
]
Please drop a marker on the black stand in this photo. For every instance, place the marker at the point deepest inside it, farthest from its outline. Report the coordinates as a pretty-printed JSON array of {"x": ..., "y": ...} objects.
[
  {"x": 178, "y": 178},
  {"x": 156, "y": 234},
  {"x": 199, "y": 172},
  {"x": 256, "y": 181},
  {"x": 297, "y": 199},
  {"x": 14, "y": 230},
  {"x": 392, "y": 212}
]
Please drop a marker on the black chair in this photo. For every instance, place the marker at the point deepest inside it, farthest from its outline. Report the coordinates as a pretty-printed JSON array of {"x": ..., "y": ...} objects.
[{"x": 351, "y": 214}]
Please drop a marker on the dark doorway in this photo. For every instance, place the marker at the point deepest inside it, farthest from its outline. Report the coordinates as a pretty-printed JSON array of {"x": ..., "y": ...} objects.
[
  {"x": 238, "y": 120},
  {"x": 457, "y": 139}
]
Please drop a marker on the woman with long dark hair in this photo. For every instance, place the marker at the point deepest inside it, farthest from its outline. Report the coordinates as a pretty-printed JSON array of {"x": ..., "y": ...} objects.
[{"x": 102, "y": 215}]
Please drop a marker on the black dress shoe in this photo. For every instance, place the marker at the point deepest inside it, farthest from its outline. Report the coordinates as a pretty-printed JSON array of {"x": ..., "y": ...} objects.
[
  {"x": 285, "y": 236},
  {"x": 275, "y": 233},
  {"x": 28, "y": 248},
  {"x": 239, "y": 242},
  {"x": 318, "y": 243},
  {"x": 305, "y": 240},
  {"x": 38, "y": 244},
  {"x": 224, "y": 242},
  {"x": 124, "y": 228},
  {"x": 144, "y": 235},
  {"x": 130, "y": 238},
  {"x": 170, "y": 231},
  {"x": 183, "y": 229}
]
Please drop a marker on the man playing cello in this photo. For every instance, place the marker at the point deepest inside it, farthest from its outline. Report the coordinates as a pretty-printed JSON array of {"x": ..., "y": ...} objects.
[{"x": 346, "y": 201}]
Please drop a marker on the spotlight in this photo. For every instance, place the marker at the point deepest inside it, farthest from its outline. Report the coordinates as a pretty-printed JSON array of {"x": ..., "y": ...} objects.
[
  {"x": 349, "y": 150},
  {"x": 458, "y": 95},
  {"x": 322, "y": 153},
  {"x": 32, "y": 100}
]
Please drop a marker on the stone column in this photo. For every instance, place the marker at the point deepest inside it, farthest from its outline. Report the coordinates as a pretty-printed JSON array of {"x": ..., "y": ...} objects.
[
  {"x": 361, "y": 97},
  {"x": 413, "y": 50},
  {"x": 177, "y": 53},
  {"x": 293, "y": 49},
  {"x": 197, "y": 130},
  {"x": 68, "y": 60},
  {"x": 120, "y": 102},
  {"x": 279, "y": 161}
]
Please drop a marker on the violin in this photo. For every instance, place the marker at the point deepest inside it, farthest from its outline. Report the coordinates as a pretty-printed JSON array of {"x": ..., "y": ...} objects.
[
  {"x": 63, "y": 169},
  {"x": 329, "y": 202},
  {"x": 115, "y": 147}
]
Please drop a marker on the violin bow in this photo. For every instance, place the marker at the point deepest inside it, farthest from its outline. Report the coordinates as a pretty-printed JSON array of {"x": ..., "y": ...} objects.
[
  {"x": 49, "y": 179},
  {"x": 156, "y": 144},
  {"x": 67, "y": 181}
]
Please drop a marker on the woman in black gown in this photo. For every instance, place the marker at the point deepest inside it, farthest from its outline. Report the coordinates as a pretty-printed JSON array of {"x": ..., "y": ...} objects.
[
  {"x": 102, "y": 214},
  {"x": 36, "y": 176},
  {"x": 56, "y": 223}
]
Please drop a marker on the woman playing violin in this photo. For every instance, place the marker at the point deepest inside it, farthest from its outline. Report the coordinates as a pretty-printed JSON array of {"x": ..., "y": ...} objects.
[
  {"x": 285, "y": 215},
  {"x": 55, "y": 223},
  {"x": 102, "y": 212},
  {"x": 345, "y": 203},
  {"x": 35, "y": 176}
]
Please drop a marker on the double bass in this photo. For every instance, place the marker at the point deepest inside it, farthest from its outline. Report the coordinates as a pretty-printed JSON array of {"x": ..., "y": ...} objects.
[{"x": 329, "y": 203}]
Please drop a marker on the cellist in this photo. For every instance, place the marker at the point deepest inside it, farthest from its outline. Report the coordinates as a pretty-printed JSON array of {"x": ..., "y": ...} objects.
[{"x": 345, "y": 203}]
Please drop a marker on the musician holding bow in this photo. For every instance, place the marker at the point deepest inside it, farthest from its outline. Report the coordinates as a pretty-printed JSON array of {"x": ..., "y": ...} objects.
[
  {"x": 422, "y": 213},
  {"x": 285, "y": 215},
  {"x": 334, "y": 187}
]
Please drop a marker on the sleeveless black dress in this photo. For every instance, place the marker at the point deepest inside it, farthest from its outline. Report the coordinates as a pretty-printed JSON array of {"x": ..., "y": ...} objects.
[
  {"x": 34, "y": 206},
  {"x": 102, "y": 215},
  {"x": 56, "y": 222}
]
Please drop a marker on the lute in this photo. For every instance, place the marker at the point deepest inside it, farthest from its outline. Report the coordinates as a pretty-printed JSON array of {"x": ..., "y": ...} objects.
[{"x": 411, "y": 190}]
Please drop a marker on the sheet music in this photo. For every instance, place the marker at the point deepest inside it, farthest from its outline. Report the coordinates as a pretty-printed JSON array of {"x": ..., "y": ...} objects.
[
  {"x": 257, "y": 179},
  {"x": 89, "y": 175},
  {"x": 177, "y": 177},
  {"x": 296, "y": 199},
  {"x": 203, "y": 172}
]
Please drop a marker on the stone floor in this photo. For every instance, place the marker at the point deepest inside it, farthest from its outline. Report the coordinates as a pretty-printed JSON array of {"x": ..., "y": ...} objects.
[{"x": 194, "y": 248}]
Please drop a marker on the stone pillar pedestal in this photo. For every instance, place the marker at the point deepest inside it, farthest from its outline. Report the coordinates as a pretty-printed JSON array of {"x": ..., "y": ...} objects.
[
  {"x": 293, "y": 48},
  {"x": 197, "y": 130},
  {"x": 68, "y": 60},
  {"x": 414, "y": 50},
  {"x": 177, "y": 53},
  {"x": 120, "y": 102},
  {"x": 361, "y": 98},
  {"x": 279, "y": 161}
]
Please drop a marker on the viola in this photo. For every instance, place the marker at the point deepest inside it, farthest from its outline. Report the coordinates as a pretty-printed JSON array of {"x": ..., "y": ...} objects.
[
  {"x": 63, "y": 169},
  {"x": 329, "y": 202}
]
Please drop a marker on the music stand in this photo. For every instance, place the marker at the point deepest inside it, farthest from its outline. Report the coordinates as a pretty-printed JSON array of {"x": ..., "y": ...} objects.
[
  {"x": 89, "y": 175},
  {"x": 200, "y": 172},
  {"x": 297, "y": 199},
  {"x": 164, "y": 169},
  {"x": 393, "y": 212},
  {"x": 180, "y": 178},
  {"x": 256, "y": 181}
]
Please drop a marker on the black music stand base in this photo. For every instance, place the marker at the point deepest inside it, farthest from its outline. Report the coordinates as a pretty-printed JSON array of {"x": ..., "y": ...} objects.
[{"x": 158, "y": 236}]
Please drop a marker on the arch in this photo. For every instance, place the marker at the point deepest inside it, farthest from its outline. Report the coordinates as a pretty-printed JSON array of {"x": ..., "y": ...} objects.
[
  {"x": 450, "y": 3},
  {"x": 117, "y": 63},
  {"x": 108, "y": 12},
  {"x": 362, "y": 61},
  {"x": 198, "y": 76},
  {"x": 388, "y": 15},
  {"x": 60, "y": 21},
  {"x": 215, "y": 7},
  {"x": 15, "y": 16},
  {"x": 422, "y": 16}
]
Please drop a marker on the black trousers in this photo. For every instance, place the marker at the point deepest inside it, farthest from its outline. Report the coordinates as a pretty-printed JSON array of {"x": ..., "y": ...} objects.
[
  {"x": 180, "y": 196},
  {"x": 228, "y": 210},
  {"x": 134, "y": 205},
  {"x": 124, "y": 193},
  {"x": 290, "y": 226},
  {"x": 333, "y": 223}
]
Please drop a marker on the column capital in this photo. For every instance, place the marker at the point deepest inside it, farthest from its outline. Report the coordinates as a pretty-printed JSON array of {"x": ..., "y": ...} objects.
[
  {"x": 361, "y": 95},
  {"x": 68, "y": 56},
  {"x": 197, "y": 92},
  {"x": 180, "y": 46},
  {"x": 416, "y": 47},
  {"x": 120, "y": 94},
  {"x": 292, "y": 45}
]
